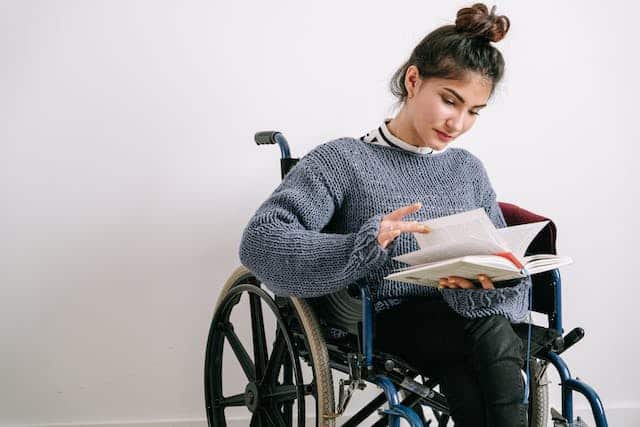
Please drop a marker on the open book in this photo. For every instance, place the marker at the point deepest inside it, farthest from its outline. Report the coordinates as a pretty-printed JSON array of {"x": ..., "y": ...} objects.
[{"x": 468, "y": 244}]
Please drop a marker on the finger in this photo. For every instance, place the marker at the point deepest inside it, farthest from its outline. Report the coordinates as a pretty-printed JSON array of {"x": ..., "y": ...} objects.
[
  {"x": 391, "y": 234},
  {"x": 461, "y": 282},
  {"x": 447, "y": 285},
  {"x": 405, "y": 226},
  {"x": 451, "y": 283},
  {"x": 403, "y": 211},
  {"x": 485, "y": 282},
  {"x": 413, "y": 226}
]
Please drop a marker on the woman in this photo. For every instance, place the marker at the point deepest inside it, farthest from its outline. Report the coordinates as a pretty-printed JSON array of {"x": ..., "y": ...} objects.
[{"x": 352, "y": 204}]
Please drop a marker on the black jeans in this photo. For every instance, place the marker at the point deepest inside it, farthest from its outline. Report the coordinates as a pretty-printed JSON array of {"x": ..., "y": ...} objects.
[{"x": 477, "y": 361}]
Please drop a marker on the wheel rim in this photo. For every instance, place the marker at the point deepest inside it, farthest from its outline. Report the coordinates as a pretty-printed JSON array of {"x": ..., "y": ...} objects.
[
  {"x": 538, "y": 394},
  {"x": 269, "y": 400}
]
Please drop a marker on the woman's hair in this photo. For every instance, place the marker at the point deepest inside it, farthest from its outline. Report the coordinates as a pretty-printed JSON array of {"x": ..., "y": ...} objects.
[{"x": 452, "y": 51}]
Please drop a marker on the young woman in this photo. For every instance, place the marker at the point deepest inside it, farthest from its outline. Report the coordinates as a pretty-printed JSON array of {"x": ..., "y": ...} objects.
[{"x": 352, "y": 204}]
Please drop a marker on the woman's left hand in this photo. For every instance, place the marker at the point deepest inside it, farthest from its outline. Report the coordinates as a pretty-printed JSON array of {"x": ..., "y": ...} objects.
[{"x": 454, "y": 282}]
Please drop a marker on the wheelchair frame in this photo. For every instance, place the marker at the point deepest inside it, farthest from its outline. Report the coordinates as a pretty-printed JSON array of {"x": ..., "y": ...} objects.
[{"x": 389, "y": 373}]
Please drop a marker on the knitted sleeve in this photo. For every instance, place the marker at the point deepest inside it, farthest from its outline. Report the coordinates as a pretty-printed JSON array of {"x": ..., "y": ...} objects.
[
  {"x": 284, "y": 247},
  {"x": 511, "y": 299}
]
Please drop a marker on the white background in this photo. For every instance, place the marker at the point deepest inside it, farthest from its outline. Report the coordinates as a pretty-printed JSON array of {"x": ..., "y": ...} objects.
[{"x": 128, "y": 171}]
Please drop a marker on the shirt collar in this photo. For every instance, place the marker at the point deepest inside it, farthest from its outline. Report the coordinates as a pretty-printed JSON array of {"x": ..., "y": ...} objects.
[{"x": 382, "y": 136}]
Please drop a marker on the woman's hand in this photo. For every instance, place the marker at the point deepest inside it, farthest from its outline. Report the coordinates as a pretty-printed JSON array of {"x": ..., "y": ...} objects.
[
  {"x": 454, "y": 282},
  {"x": 392, "y": 225}
]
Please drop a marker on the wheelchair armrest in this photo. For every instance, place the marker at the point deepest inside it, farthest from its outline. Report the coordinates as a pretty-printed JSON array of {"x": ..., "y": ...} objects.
[{"x": 543, "y": 339}]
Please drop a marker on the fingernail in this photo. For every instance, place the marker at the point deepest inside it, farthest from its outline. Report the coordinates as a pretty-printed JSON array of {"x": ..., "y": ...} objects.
[
  {"x": 451, "y": 280},
  {"x": 417, "y": 204},
  {"x": 425, "y": 228}
]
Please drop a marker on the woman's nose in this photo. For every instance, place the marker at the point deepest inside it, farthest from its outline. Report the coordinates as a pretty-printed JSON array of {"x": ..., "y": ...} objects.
[{"x": 454, "y": 124}]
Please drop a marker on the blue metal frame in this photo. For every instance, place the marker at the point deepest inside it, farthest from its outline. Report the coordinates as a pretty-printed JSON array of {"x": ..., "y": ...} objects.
[
  {"x": 283, "y": 144},
  {"x": 396, "y": 410},
  {"x": 557, "y": 318},
  {"x": 567, "y": 383},
  {"x": 367, "y": 325}
]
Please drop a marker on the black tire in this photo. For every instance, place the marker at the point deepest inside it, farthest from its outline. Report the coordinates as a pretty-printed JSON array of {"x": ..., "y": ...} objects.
[{"x": 275, "y": 381}]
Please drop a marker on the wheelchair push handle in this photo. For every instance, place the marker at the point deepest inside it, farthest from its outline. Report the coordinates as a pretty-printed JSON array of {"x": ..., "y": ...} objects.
[
  {"x": 265, "y": 137},
  {"x": 269, "y": 137}
]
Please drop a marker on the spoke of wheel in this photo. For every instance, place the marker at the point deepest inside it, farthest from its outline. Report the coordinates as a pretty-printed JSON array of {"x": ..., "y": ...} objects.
[
  {"x": 273, "y": 417},
  {"x": 256, "y": 421},
  {"x": 287, "y": 412},
  {"x": 275, "y": 360},
  {"x": 260, "y": 353},
  {"x": 282, "y": 394},
  {"x": 240, "y": 352},
  {"x": 235, "y": 400},
  {"x": 287, "y": 379}
]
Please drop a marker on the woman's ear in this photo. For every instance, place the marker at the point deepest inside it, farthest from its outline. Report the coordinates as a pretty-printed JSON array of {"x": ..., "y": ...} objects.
[{"x": 412, "y": 81}]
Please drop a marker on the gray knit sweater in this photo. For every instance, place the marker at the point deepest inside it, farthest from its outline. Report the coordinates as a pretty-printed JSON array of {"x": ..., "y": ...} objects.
[{"x": 317, "y": 232}]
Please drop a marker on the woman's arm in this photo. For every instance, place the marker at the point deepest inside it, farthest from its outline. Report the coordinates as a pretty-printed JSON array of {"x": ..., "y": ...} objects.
[{"x": 284, "y": 247}]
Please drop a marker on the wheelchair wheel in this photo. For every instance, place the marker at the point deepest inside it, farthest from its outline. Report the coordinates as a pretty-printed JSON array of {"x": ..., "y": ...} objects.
[
  {"x": 275, "y": 390},
  {"x": 538, "y": 393}
]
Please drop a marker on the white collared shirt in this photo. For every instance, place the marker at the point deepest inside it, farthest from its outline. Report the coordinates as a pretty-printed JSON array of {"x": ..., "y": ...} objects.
[{"x": 382, "y": 136}]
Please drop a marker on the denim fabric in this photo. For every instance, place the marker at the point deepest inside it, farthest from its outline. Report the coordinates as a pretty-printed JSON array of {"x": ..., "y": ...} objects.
[{"x": 478, "y": 361}]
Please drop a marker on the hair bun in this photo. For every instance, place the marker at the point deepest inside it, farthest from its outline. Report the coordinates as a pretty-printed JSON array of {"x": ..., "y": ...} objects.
[{"x": 477, "y": 21}]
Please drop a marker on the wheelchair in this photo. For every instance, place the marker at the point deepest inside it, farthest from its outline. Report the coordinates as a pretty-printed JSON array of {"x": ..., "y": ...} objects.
[{"x": 289, "y": 372}]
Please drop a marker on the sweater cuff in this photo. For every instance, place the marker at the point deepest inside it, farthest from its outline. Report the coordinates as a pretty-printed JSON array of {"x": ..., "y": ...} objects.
[
  {"x": 366, "y": 249},
  {"x": 512, "y": 302}
]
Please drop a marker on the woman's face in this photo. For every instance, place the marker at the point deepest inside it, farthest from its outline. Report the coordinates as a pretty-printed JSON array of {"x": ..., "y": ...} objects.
[{"x": 441, "y": 110}]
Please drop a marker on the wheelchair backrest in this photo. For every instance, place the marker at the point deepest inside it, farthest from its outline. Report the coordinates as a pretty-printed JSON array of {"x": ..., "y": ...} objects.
[{"x": 545, "y": 283}]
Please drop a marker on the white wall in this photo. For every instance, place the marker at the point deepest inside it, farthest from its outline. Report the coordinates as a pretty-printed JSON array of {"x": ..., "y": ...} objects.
[{"x": 128, "y": 171}]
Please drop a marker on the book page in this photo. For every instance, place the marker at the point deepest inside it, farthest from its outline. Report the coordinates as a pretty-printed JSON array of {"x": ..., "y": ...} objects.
[
  {"x": 466, "y": 233},
  {"x": 450, "y": 249},
  {"x": 539, "y": 263},
  {"x": 474, "y": 223},
  {"x": 469, "y": 233},
  {"x": 519, "y": 237}
]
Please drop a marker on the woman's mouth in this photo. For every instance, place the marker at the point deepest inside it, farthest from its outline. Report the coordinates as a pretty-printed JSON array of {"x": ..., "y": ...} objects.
[{"x": 443, "y": 136}]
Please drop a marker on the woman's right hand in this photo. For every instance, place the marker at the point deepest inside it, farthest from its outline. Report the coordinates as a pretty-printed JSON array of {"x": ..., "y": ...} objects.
[{"x": 392, "y": 225}]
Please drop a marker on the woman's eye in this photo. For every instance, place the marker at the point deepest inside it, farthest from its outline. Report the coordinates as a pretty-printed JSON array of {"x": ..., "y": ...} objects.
[{"x": 451, "y": 102}]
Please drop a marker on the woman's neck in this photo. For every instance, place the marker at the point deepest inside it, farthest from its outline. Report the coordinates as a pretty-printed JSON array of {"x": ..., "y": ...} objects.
[{"x": 401, "y": 129}]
